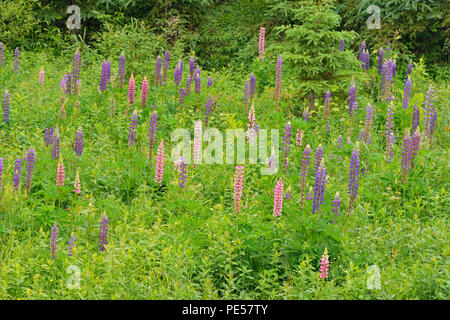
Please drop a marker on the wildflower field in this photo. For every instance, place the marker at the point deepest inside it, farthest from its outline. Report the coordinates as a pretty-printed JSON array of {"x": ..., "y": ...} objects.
[{"x": 351, "y": 202}]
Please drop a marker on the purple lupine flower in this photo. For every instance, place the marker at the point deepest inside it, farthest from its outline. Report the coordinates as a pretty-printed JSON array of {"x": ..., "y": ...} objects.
[
  {"x": 368, "y": 125},
  {"x": 407, "y": 152},
  {"x": 187, "y": 90},
  {"x": 286, "y": 145},
  {"x": 362, "y": 48},
  {"x": 55, "y": 148},
  {"x": 336, "y": 204},
  {"x": 2, "y": 54},
  {"x": 66, "y": 83},
  {"x": 208, "y": 110},
  {"x": 394, "y": 69},
  {"x": 71, "y": 245},
  {"x": 407, "y": 93},
  {"x": 166, "y": 62},
  {"x": 326, "y": 105},
  {"x": 76, "y": 70},
  {"x": 121, "y": 72},
  {"x": 305, "y": 114},
  {"x": 415, "y": 118},
  {"x": 415, "y": 145},
  {"x": 339, "y": 142},
  {"x": 79, "y": 141},
  {"x": 48, "y": 136},
  {"x": 6, "y": 107},
  {"x": 178, "y": 73},
  {"x": 278, "y": 72},
  {"x": 319, "y": 187},
  {"x": 304, "y": 173},
  {"x": 132, "y": 132},
  {"x": 380, "y": 61},
  {"x": 16, "y": 60},
  {"x": 353, "y": 179},
  {"x": 341, "y": 44},
  {"x": 106, "y": 73},
  {"x": 17, "y": 174},
  {"x": 430, "y": 114},
  {"x": 246, "y": 95},
  {"x": 351, "y": 97},
  {"x": 54, "y": 241},
  {"x": 198, "y": 83},
  {"x": 197, "y": 71},
  {"x": 181, "y": 96},
  {"x": 210, "y": 82},
  {"x": 182, "y": 170},
  {"x": 252, "y": 86},
  {"x": 409, "y": 68},
  {"x": 389, "y": 132},
  {"x": 387, "y": 77},
  {"x": 158, "y": 71},
  {"x": 152, "y": 133},
  {"x": 31, "y": 159},
  {"x": 103, "y": 232},
  {"x": 288, "y": 195},
  {"x": 318, "y": 156},
  {"x": 191, "y": 66}
]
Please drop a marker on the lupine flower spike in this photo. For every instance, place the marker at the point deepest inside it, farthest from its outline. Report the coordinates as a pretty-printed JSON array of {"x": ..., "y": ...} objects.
[
  {"x": 198, "y": 83},
  {"x": 54, "y": 241},
  {"x": 337, "y": 204},
  {"x": 407, "y": 93},
  {"x": 131, "y": 90},
  {"x": 17, "y": 174},
  {"x": 324, "y": 265},
  {"x": 251, "y": 130},
  {"x": 252, "y": 87},
  {"x": 262, "y": 33},
  {"x": 181, "y": 96},
  {"x": 159, "y": 170},
  {"x": 430, "y": 115},
  {"x": 178, "y": 73},
  {"x": 182, "y": 171},
  {"x": 71, "y": 245},
  {"x": 238, "y": 179},
  {"x": 31, "y": 159},
  {"x": 210, "y": 82},
  {"x": 79, "y": 141},
  {"x": 278, "y": 72},
  {"x": 187, "y": 90},
  {"x": 60, "y": 173},
  {"x": 166, "y": 62},
  {"x": 415, "y": 118},
  {"x": 55, "y": 147},
  {"x": 132, "y": 132},
  {"x": 409, "y": 68},
  {"x": 76, "y": 71},
  {"x": 318, "y": 157},
  {"x": 380, "y": 61},
  {"x": 407, "y": 154},
  {"x": 121, "y": 72},
  {"x": 342, "y": 45},
  {"x": 389, "y": 132},
  {"x": 304, "y": 173},
  {"x": 158, "y": 76},
  {"x": 365, "y": 136},
  {"x": 278, "y": 199},
  {"x": 197, "y": 145},
  {"x": 16, "y": 60},
  {"x": 191, "y": 66},
  {"x": 77, "y": 183},
  {"x": 299, "y": 137},
  {"x": 286, "y": 145},
  {"x": 353, "y": 179},
  {"x": 319, "y": 186},
  {"x": 144, "y": 92},
  {"x": 103, "y": 232}
]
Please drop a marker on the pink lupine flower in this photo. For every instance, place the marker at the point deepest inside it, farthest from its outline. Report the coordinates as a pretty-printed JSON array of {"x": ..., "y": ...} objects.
[
  {"x": 324, "y": 265},
  {"x": 251, "y": 131},
  {"x": 262, "y": 32},
  {"x": 131, "y": 90},
  {"x": 144, "y": 92},
  {"x": 299, "y": 137},
  {"x": 60, "y": 173},
  {"x": 238, "y": 179},
  {"x": 77, "y": 184},
  {"x": 197, "y": 146},
  {"x": 159, "y": 171},
  {"x": 278, "y": 198},
  {"x": 41, "y": 76}
]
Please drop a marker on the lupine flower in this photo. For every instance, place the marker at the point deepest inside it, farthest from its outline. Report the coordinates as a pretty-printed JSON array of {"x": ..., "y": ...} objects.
[
  {"x": 318, "y": 157},
  {"x": 319, "y": 186},
  {"x": 336, "y": 204},
  {"x": 159, "y": 171},
  {"x": 60, "y": 173},
  {"x": 208, "y": 109},
  {"x": 103, "y": 232},
  {"x": 210, "y": 82},
  {"x": 286, "y": 145},
  {"x": 351, "y": 97},
  {"x": 166, "y": 66},
  {"x": 76, "y": 70},
  {"x": 181, "y": 96},
  {"x": 77, "y": 183},
  {"x": 246, "y": 94},
  {"x": 197, "y": 71},
  {"x": 326, "y": 105},
  {"x": 71, "y": 245},
  {"x": 368, "y": 125},
  {"x": 299, "y": 137},
  {"x": 182, "y": 172},
  {"x": 79, "y": 141},
  {"x": 54, "y": 241},
  {"x": 324, "y": 265},
  {"x": 407, "y": 152},
  {"x": 132, "y": 132},
  {"x": 16, "y": 60},
  {"x": 121, "y": 70},
  {"x": 17, "y": 174},
  {"x": 55, "y": 147},
  {"x": 197, "y": 144},
  {"x": 191, "y": 66},
  {"x": 394, "y": 69},
  {"x": 178, "y": 73},
  {"x": 106, "y": 75},
  {"x": 2, "y": 54},
  {"x": 41, "y": 76},
  {"x": 152, "y": 133},
  {"x": 262, "y": 33},
  {"x": 31, "y": 159},
  {"x": 198, "y": 83},
  {"x": 389, "y": 132},
  {"x": 187, "y": 90},
  {"x": 278, "y": 72},
  {"x": 131, "y": 90},
  {"x": 288, "y": 195},
  {"x": 415, "y": 118},
  {"x": 6, "y": 107},
  {"x": 430, "y": 114},
  {"x": 306, "y": 114},
  {"x": 310, "y": 194},
  {"x": 362, "y": 48},
  {"x": 304, "y": 173},
  {"x": 251, "y": 131},
  {"x": 415, "y": 145},
  {"x": 341, "y": 44},
  {"x": 144, "y": 92},
  {"x": 387, "y": 77},
  {"x": 339, "y": 142},
  {"x": 407, "y": 93},
  {"x": 409, "y": 68},
  {"x": 252, "y": 86},
  {"x": 158, "y": 71},
  {"x": 238, "y": 180},
  {"x": 353, "y": 179},
  {"x": 380, "y": 61},
  {"x": 278, "y": 198}
]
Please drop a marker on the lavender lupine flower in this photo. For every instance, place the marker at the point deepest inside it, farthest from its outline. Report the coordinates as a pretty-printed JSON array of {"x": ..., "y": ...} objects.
[
  {"x": 187, "y": 90},
  {"x": 131, "y": 90},
  {"x": 132, "y": 132},
  {"x": 409, "y": 68},
  {"x": 389, "y": 132},
  {"x": 17, "y": 174},
  {"x": 121, "y": 73},
  {"x": 198, "y": 83},
  {"x": 278, "y": 72},
  {"x": 2, "y": 54},
  {"x": 278, "y": 199},
  {"x": 210, "y": 82},
  {"x": 407, "y": 93},
  {"x": 106, "y": 74},
  {"x": 246, "y": 95},
  {"x": 252, "y": 87},
  {"x": 181, "y": 96},
  {"x": 158, "y": 71},
  {"x": 191, "y": 66},
  {"x": 6, "y": 107},
  {"x": 305, "y": 114},
  {"x": 353, "y": 179},
  {"x": 103, "y": 232},
  {"x": 326, "y": 105},
  {"x": 55, "y": 147},
  {"x": 339, "y": 142},
  {"x": 144, "y": 92},
  {"x": 430, "y": 114},
  {"x": 336, "y": 204},
  {"x": 71, "y": 245},
  {"x": 286, "y": 145},
  {"x": 288, "y": 195},
  {"x": 54, "y": 241},
  {"x": 48, "y": 136},
  {"x": 380, "y": 61},
  {"x": 31, "y": 159},
  {"x": 341, "y": 45},
  {"x": 262, "y": 33},
  {"x": 318, "y": 157},
  {"x": 351, "y": 97},
  {"x": 415, "y": 145},
  {"x": 166, "y": 62},
  {"x": 76, "y": 66},
  {"x": 304, "y": 173},
  {"x": 362, "y": 48},
  {"x": 16, "y": 60},
  {"x": 407, "y": 153},
  {"x": 415, "y": 118},
  {"x": 182, "y": 167},
  {"x": 386, "y": 79},
  {"x": 178, "y": 73},
  {"x": 319, "y": 187},
  {"x": 79, "y": 141},
  {"x": 368, "y": 125},
  {"x": 152, "y": 133},
  {"x": 208, "y": 110}
]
